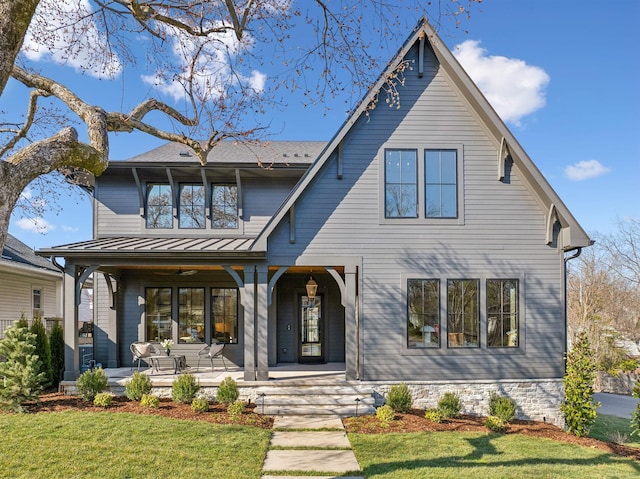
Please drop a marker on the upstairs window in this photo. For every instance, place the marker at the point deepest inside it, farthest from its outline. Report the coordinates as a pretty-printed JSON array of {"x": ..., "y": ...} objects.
[
  {"x": 463, "y": 313},
  {"x": 440, "y": 178},
  {"x": 401, "y": 183},
  {"x": 192, "y": 206},
  {"x": 502, "y": 313},
  {"x": 224, "y": 206},
  {"x": 159, "y": 206}
]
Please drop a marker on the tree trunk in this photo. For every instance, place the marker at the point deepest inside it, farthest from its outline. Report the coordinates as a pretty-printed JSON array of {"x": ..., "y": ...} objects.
[{"x": 15, "y": 17}]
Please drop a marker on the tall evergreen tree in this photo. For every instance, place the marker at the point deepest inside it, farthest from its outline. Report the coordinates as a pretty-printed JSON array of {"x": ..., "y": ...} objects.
[
  {"x": 22, "y": 374},
  {"x": 42, "y": 348},
  {"x": 56, "y": 345}
]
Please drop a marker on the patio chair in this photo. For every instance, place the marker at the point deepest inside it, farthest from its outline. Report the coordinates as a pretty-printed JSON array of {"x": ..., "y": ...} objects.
[
  {"x": 212, "y": 352},
  {"x": 142, "y": 350}
]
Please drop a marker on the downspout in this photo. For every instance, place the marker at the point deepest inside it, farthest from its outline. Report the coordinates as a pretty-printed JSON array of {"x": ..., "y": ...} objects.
[{"x": 577, "y": 253}]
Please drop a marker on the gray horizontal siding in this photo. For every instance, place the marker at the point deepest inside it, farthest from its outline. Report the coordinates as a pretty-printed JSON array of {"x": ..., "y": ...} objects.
[{"x": 503, "y": 235}]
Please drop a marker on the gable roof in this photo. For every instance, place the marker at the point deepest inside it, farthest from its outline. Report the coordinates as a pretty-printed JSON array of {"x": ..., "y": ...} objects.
[
  {"x": 573, "y": 235},
  {"x": 17, "y": 253}
]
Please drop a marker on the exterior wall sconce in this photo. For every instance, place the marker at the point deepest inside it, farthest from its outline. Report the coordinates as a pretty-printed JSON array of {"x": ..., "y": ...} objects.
[{"x": 312, "y": 288}]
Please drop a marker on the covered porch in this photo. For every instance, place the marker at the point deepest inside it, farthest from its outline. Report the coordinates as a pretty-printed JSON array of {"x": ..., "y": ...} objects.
[{"x": 261, "y": 320}]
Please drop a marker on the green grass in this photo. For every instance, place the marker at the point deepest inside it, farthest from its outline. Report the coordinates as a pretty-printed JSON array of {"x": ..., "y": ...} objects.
[
  {"x": 119, "y": 445},
  {"x": 606, "y": 427},
  {"x": 473, "y": 455}
]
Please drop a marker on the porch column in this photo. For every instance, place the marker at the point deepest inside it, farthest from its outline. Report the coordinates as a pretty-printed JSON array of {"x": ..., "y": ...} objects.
[
  {"x": 249, "y": 305},
  {"x": 70, "y": 314},
  {"x": 350, "y": 344},
  {"x": 262, "y": 323},
  {"x": 112, "y": 321}
]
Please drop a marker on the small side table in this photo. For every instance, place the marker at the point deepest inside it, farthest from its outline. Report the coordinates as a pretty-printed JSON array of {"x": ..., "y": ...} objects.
[{"x": 179, "y": 362}]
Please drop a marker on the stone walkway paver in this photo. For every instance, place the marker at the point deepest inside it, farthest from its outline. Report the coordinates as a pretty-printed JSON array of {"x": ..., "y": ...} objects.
[{"x": 326, "y": 452}]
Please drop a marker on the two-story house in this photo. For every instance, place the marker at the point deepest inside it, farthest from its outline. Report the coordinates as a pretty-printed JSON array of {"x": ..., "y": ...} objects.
[{"x": 420, "y": 244}]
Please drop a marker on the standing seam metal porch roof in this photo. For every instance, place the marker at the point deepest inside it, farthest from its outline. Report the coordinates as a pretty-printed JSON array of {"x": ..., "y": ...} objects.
[{"x": 157, "y": 247}]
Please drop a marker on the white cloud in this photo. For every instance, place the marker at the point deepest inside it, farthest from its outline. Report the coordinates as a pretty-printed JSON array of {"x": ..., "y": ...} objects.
[
  {"x": 35, "y": 225},
  {"x": 583, "y": 170},
  {"x": 65, "y": 32},
  {"x": 513, "y": 88},
  {"x": 70, "y": 229},
  {"x": 212, "y": 72}
]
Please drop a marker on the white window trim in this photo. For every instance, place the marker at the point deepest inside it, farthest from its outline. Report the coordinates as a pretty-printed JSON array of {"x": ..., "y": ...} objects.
[{"x": 420, "y": 147}]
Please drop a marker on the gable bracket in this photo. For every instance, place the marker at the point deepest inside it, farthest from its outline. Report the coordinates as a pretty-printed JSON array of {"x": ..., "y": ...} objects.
[
  {"x": 81, "y": 278},
  {"x": 141, "y": 195},
  {"x": 239, "y": 193},
  {"x": 421, "y": 36},
  {"x": 173, "y": 193},
  {"x": 205, "y": 185},
  {"x": 292, "y": 224},
  {"x": 503, "y": 155},
  {"x": 552, "y": 217}
]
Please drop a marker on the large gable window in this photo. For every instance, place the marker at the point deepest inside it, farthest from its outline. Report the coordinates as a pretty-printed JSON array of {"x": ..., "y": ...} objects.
[
  {"x": 463, "y": 313},
  {"x": 192, "y": 206},
  {"x": 159, "y": 206},
  {"x": 440, "y": 178},
  {"x": 423, "y": 306},
  {"x": 224, "y": 206},
  {"x": 401, "y": 183},
  {"x": 502, "y": 313}
]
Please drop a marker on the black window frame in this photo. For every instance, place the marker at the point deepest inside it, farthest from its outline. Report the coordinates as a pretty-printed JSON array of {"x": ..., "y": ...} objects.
[
  {"x": 512, "y": 336},
  {"x": 436, "y": 325},
  {"x": 462, "y": 335}
]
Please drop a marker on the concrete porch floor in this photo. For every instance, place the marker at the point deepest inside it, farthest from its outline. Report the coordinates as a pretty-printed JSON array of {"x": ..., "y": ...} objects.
[{"x": 285, "y": 374}]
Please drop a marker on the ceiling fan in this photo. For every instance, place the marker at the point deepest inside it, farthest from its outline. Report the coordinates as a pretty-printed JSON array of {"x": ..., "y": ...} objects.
[{"x": 180, "y": 272}]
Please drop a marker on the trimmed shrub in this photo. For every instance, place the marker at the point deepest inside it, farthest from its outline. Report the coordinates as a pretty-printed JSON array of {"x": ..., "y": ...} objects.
[
  {"x": 502, "y": 407},
  {"x": 184, "y": 388},
  {"x": 450, "y": 405},
  {"x": 200, "y": 404},
  {"x": 150, "y": 401},
  {"x": 433, "y": 415},
  {"x": 235, "y": 409},
  {"x": 22, "y": 376},
  {"x": 103, "y": 400},
  {"x": 495, "y": 423},
  {"x": 578, "y": 408},
  {"x": 56, "y": 345},
  {"x": 385, "y": 415},
  {"x": 137, "y": 386},
  {"x": 399, "y": 398},
  {"x": 227, "y": 391},
  {"x": 43, "y": 349},
  {"x": 90, "y": 383}
]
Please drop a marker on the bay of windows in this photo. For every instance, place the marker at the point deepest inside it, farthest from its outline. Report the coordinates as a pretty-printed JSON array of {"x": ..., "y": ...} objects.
[
  {"x": 197, "y": 322},
  {"x": 462, "y": 313}
]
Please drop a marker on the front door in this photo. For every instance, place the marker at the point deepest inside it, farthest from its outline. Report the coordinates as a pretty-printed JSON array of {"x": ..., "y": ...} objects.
[{"x": 311, "y": 349}]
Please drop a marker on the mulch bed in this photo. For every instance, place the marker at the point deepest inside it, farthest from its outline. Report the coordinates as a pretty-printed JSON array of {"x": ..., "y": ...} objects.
[{"x": 413, "y": 421}]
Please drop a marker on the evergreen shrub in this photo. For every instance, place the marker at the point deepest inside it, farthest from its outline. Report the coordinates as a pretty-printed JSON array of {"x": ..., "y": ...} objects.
[
  {"x": 450, "y": 405},
  {"x": 227, "y": 391},
  {"x": 399, "y": 398},
  {"x": 184, "y": 389},
  {"x": 502, "y": 407},
  {"x": 137, "y": 386},
  {"x": 90, "y": 383}
]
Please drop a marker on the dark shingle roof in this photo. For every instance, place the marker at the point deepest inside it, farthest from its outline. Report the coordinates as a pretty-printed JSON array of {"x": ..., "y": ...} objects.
[
  {"x": 17, "y": 252},
  {"x": 267, "y": 153}
]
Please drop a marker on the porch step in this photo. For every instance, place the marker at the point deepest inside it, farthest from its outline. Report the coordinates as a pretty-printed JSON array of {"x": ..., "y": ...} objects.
[{"x": 315, "y": 400}]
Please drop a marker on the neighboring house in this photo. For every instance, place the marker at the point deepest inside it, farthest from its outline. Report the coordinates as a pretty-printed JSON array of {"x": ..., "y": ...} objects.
[
  {"x": 29, "y": 285},
  {"x": 436, "y": 246}
]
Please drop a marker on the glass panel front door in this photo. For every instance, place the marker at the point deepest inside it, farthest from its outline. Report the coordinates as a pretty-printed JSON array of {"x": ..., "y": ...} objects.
[{"x": 311, "y": 340}]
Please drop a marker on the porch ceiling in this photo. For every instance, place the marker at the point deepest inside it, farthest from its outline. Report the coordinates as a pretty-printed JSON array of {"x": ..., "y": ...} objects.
[{"x": 145, "y": 248}]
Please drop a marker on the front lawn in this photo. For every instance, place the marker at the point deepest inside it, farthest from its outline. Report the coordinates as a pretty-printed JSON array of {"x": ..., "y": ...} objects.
[
  {"x": 487, "y": 455},
  {"x": 123, "y": 445},
  {"x": 612, "y": 428}
]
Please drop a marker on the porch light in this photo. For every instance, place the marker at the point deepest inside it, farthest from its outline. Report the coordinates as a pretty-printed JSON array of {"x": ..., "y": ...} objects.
[{"x": 312, "y": 288}]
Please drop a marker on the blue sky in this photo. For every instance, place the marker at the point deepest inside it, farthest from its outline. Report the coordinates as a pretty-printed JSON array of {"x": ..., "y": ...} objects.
[{"x": 564, "y": 75}]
